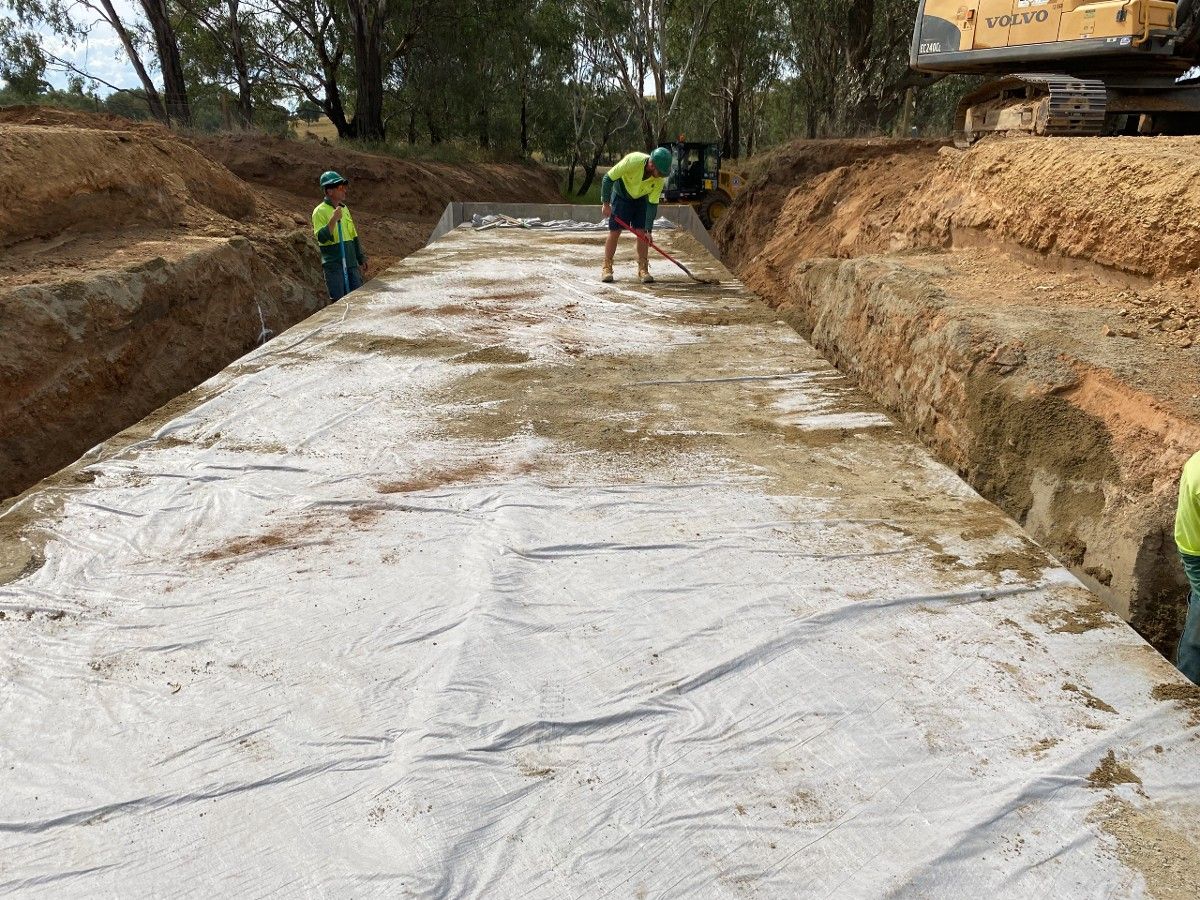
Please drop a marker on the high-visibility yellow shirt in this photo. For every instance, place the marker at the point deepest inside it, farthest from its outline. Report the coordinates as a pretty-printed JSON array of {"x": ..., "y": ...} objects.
[
  {"x": 1187, "y": 516},
  {"x": 631, "y": 172},
  {"x": 328, "y": 237}
]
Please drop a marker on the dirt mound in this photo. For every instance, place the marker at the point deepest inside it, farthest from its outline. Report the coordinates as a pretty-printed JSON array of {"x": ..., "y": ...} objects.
[
  {"x": 104, "y": 179},
  {"x": 132, "y": 268},
  {"x": 799, "y": 191},
  {"x": 1128, "y": 204},
  {"x": 381, "y": 184},
  {"x": 52, "y": 115}
]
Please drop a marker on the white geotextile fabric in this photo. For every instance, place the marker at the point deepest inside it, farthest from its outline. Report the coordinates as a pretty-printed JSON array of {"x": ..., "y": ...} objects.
[{"x": 305, "y": 638}]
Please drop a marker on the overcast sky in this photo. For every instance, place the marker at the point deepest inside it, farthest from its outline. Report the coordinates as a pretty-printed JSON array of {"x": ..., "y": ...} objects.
[{"x": 101, "y": 54}]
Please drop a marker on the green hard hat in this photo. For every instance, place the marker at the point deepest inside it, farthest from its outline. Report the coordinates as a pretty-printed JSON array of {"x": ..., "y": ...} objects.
[
  {"x": 662, "y": 160},
  {"x": 332, "y": 179}
]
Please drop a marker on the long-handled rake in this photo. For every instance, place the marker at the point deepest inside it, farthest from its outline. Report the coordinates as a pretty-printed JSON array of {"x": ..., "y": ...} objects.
[{"x": 645, "y": 238}]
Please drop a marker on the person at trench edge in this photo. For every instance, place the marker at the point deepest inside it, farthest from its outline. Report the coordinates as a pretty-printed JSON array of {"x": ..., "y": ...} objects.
[
  {"x": 342, "y": 258},
  {"x": 630, "y": 191}
]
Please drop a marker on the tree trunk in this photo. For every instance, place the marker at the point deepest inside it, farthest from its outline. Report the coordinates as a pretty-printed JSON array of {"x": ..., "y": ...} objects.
[
  {"x": 524, "y": 117},
  {"x": 752, "y": 124},
  {"x": 367, "y": 18},
  {"x": 412, "y": 124},
  {"x": 153, "y": 99},
  {"x": 736, "y": 124},
  {"x": 589, "y": 174},
  {"x": 435, "y": 131},
  {"x": 237, "y": 49},
  {"x": 334, "y": 111},
  {"x": 571, "y": 172},
  {"x": 648, "y": 134},
  {"x": 485, "y": 122},
  {"x": 169, "y": 63}
]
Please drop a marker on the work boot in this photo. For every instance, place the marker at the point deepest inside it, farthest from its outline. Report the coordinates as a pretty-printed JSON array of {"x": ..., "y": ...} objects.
[
  {"x": 606, "y": 273},
  {"x": 644, "y": 275}
]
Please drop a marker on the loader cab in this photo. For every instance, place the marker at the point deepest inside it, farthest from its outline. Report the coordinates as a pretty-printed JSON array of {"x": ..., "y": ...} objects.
[{"x": 695, "y": 171}]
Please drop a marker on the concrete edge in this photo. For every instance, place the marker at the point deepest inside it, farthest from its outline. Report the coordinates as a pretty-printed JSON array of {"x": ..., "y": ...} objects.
[{"x": 458, "y": 212}]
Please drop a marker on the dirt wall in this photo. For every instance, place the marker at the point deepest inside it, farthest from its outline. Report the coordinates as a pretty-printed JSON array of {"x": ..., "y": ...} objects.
[
  {"x": 99, "y": 353},
  {"x": 397, "y": 187},
  {"x": 1128, "y": 205}
]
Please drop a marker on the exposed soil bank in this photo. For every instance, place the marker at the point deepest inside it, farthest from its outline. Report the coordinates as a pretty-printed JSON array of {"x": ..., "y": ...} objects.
[
  {"x": 136, "y": 268},
  {"x": 137, "y": 265},
  {"x": 382, "y": 184},
  {"x": 1018, "y": 332}
]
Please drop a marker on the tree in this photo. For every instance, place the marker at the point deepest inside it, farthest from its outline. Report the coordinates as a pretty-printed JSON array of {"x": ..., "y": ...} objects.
[
  {"x": 851, "y": 59},
  {"x": 308, "y": 111},
  {"x": 305, "y": 43},
  {"x": 22, "y": 62},
  {"x": 747, "y": 41},
  {"x": 215, "y": 33},
  {"x": 381, "y": 31},
  {"x": 169, "y": 63},
  {"x": 73, "y": 20},
  {"x": 637, "y": 39}
]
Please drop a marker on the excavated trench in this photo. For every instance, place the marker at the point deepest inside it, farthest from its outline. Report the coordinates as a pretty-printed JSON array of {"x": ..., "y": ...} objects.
[
  {"x": 150, "y": 265},
  {"x": 1055, "y": 382}
]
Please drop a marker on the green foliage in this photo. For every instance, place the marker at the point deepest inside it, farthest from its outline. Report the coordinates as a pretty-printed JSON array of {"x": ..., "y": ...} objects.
[
  {"x": 308, "y": 111},
  {"x": 936, "y": 104},
  {"x": 576, "y": 82},
  {"x": 22, "y": 63},
  {"x": 457, "y": 152},
  {"x": 130, "y": 104},
  {"x": 590, "y": 196}
]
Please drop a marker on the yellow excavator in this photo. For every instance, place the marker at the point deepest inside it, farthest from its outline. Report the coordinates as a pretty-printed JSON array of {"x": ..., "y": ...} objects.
[{"x": 1065, "y": 67}]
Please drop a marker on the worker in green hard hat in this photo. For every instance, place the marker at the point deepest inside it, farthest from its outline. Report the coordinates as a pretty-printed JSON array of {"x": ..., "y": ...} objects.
[
  {"x": 342, "y": 256},
  {"x": 630, "y": 193}
]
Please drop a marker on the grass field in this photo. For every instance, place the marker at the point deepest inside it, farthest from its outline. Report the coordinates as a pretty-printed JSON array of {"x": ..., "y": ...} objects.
[
  {"x": 322, "y": 128},
  {"x": 593, "y": 192}
]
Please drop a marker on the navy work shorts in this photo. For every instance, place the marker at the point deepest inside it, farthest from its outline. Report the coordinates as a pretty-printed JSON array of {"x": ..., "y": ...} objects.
[{"x": 632, "y": 211}]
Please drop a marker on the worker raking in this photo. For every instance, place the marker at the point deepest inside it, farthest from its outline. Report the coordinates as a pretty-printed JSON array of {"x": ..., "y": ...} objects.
[{"x": 630, "y": 193}]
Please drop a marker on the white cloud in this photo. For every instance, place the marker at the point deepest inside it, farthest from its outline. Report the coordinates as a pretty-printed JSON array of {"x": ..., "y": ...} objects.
[{"x": 100, "y": 53}]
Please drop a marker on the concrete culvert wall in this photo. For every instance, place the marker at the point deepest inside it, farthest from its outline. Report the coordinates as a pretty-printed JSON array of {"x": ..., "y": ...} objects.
[{"x": 1011, "y": 323}]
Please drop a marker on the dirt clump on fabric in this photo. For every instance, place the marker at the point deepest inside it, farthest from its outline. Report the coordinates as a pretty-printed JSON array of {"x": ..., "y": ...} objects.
[
  {"x": 1030, "y": 308},
  {"x": 1090, "y": 699},
  {"x": 1160, "y": 850},
  {"x": 1112, "y": 772},
  {"x": 1185, "y": 695}
]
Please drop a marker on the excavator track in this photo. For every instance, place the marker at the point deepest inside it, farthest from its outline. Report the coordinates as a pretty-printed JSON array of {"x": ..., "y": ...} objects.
[{"x": 1049, "y": 105}]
